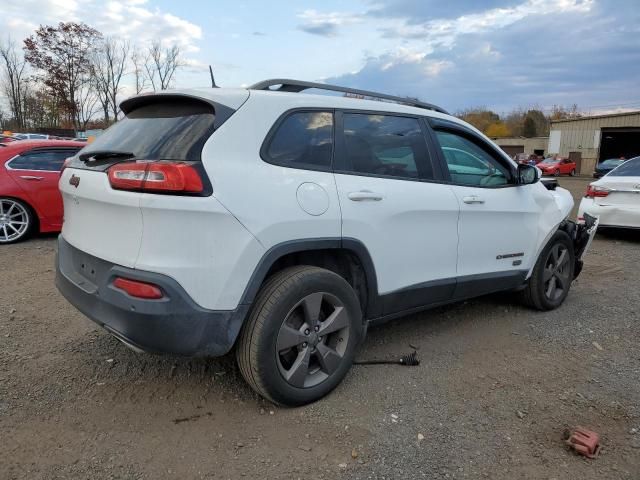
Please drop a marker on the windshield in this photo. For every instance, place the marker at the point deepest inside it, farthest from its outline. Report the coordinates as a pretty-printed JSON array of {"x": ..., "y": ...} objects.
[
  {"x": 163, "y": 130},
  {"x": 612, "y": 162},
  {"x": 550, "y": 161},
  {"x": 630, "y": 168}
]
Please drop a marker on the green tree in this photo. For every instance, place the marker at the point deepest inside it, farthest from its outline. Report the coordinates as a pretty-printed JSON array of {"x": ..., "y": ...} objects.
[{"x": 529, "y": 127}]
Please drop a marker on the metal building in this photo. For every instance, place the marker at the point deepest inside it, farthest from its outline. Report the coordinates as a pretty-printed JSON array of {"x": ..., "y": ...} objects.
[
  {"x": 529, "y": 146},
  {"x": 589, "y": 140}
]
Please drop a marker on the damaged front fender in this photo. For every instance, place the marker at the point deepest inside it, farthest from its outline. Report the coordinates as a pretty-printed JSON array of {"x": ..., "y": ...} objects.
[{"x": 582, "y": 235}]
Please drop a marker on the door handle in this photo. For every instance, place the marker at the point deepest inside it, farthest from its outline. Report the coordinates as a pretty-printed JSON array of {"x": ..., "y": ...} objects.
[
  {"x": 472, "y": 199},
  {"x": 31, "y": 177},
  {"x": 364, "y": 195}
]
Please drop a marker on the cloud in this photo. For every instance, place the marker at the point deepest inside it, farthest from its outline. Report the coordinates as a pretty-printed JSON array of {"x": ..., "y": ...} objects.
[
  {"x": 424, "y": 10},
  {"x": 325, "y": 24},
  {"x": 535, "y": 52},
  {"x": 130, "y": 19}
]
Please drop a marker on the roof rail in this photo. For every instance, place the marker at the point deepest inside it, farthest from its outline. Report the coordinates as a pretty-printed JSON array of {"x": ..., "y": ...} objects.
[{"x": 296, "y": 86}]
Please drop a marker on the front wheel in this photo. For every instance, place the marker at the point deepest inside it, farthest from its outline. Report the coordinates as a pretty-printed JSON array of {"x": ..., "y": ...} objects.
[
  {"x": 16, "y": 220},
  {"x": 557, "y": 172},
  {"x": 301, "y": 336},
  {"x": 552, "y": 275},
  {"x": 573, "y": 172}
]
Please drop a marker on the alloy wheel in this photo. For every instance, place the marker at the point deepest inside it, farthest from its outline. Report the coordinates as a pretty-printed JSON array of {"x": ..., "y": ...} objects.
[
  {"x": 312, "y": 340},
  {"x": 14, "y": 220},
  {"x": 556, "y": 272}
]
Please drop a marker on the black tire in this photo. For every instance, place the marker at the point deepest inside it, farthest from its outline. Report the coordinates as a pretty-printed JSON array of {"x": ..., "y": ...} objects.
[
  {"x": 556, "y": 173},
  {"x": 573, "y": 172},
  {"x": 17, "y": 220},
  {"x": 283, "y": 309},
  {"x": 550, "y": 282}
]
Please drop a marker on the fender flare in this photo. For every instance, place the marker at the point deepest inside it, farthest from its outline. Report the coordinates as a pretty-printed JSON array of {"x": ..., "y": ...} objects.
[{"x": 353, "y": 246}]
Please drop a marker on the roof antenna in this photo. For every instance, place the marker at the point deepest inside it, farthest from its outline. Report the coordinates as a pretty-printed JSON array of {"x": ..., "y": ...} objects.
[{"x": 213, "y": 81}]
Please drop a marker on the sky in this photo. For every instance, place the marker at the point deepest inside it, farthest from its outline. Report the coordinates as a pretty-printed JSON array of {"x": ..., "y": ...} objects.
[{"x": 499, "y": 54}]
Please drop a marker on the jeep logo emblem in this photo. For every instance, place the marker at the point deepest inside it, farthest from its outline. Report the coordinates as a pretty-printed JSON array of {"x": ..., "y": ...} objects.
[{"x": 75, "y": 181}]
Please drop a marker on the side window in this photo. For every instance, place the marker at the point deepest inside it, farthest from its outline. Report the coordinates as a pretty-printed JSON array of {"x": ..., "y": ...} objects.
[
  {"x": 469, "y": 164},
  {"x": 385, "y": 145},
  {"x": 303, "y": 139},
  {"x": 45, "y": 160}
]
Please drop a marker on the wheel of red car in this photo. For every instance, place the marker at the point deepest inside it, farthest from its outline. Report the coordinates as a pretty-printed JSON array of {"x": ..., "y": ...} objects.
[
  {"x": 573, "y": 172},
  {"x": 557, "y": 172},
  {"x": 16, "y": 220}
]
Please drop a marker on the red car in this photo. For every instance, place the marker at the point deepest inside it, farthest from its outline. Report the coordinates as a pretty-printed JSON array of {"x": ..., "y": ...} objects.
[
  {"x": 557, "y": 166},
  {"x": 29, "y": 197}
]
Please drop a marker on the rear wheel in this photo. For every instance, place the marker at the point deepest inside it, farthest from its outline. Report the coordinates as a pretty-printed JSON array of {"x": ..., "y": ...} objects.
[
  {"x": 552, "y": 275},
  {"x": 300, "y": 339},
  {"x": 573, "y": 172},
  {"x": 16, "y": 220}
]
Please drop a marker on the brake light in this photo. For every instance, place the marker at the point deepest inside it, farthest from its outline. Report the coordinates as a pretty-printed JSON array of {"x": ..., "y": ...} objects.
[
  {"x": 594, "y": 191},
  {"x": 138, "y": 289},
  {"x": 156, "y": 176}
]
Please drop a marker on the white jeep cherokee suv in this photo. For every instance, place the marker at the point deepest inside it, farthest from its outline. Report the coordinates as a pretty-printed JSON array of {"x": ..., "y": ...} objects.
[{"x": 283, "y": 224}]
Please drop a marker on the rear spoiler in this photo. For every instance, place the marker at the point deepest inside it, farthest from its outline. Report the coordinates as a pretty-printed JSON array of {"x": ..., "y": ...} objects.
[{"x": 222, "y": 112}]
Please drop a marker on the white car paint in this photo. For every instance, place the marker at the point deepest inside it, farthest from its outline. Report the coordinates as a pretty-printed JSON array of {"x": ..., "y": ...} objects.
[
  {"x": 415, "y": 232},
  {"x": 620, "y": 208}
]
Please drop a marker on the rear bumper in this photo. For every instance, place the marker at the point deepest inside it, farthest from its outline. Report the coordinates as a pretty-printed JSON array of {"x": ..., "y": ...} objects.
[
  {"x": 174, "y": 324},
  {"x": 611, "y": 216}
]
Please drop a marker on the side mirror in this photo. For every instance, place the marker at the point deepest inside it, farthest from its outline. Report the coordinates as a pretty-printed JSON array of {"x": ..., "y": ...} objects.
[{"x": 528, "y": 174}]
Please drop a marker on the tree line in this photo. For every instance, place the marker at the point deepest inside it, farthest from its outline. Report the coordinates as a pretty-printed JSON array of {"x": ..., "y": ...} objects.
[
  {"x": 71, "y": 76},
  {"x": 520, "y": 122}
]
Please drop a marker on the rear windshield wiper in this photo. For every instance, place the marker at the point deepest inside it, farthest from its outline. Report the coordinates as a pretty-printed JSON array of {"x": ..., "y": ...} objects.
[{"x": 102, "y": 154}]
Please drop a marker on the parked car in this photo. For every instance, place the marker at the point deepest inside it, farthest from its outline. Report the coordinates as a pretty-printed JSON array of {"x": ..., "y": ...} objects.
[
  {"x": 557, "y": 166},
  {"x": 606, "y": 166},
  {"x": 29, "y": 197},
  {"x": 283, "y": 225},
  {"x": 30, "y": 136},
  {"x": 4, "y": 139},
  {"x": 615, "y": 198}
]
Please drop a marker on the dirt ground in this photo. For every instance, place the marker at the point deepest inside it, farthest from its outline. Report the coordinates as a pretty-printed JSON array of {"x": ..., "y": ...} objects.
[{"x": 497, "y": 386}]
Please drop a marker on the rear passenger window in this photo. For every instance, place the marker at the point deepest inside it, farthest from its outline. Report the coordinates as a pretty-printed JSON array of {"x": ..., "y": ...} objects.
[
  {"x": 303, "y": 139},
  {"x": 44, "y": 160},
  {"x": 385, "y": 145}
]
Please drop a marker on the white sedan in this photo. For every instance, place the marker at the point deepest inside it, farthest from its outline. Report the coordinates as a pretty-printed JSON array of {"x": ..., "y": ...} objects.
[{"x": 615, "y": 198}]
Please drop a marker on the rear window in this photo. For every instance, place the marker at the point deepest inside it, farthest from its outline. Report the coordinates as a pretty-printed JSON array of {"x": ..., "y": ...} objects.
[
  {"x": 612, "y": 163},
  {"x": 170, "y": 130},
  {"x": 630, "y": 168}
]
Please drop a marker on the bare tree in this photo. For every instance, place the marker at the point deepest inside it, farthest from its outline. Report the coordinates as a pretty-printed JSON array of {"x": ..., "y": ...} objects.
[
  {"x": 109, "y": 65},
  {"x": 138, "y": 61},
  {"x": 87, "y": 102},
  {"x": 161, "y": 64},
  {"x": 14, "y": 80},
  {"x": 63, "y": 56}
]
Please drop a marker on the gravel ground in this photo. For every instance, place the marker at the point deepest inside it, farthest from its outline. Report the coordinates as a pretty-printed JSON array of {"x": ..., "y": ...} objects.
[{"x": 497, "y": 386}]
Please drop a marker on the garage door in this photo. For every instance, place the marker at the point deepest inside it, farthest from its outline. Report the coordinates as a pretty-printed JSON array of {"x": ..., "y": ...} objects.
[
  {"x": 512, "y": 150},
  {"x": 619, "y": 142}
]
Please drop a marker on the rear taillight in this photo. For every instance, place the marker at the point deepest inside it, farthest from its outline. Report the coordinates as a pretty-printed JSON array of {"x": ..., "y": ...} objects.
[
  {"x": 594, "y": 191},
  {"x": 160, "y": 177},
  {"x": 138, "y": 289}
]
